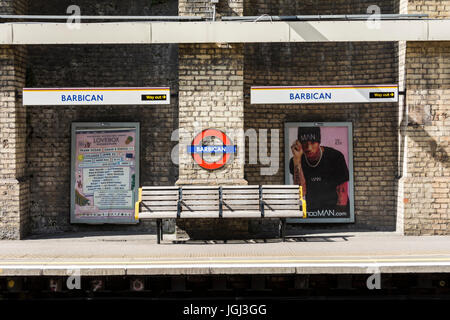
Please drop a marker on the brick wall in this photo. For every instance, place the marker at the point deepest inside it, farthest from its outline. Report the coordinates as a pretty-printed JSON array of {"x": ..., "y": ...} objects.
[
  {"x": 211, "y": 79},
  {"x": 375, "y": 138},
  {"x": 48, "y": 144},
  {"x": 204, "y": 8},
  {"x": 211, "y": 96},
  {"x": 402, "y": 7},
  {"x": 313, "y": 7},
  {"x": 14, "y": 187},
  {"x": 426, "y": 173},
  {"x": 436, "y": 9},
  {"x": 106, "y": 7}
]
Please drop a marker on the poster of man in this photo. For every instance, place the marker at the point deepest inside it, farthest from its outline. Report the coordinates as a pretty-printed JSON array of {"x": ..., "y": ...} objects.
[{"x": 320, "y": 160}]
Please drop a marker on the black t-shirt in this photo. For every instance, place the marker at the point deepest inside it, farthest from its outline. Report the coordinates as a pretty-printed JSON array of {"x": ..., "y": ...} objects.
[{"x": 321, "y": 181}]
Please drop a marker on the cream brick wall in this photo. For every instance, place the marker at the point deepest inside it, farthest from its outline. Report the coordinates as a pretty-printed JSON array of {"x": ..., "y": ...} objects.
[
  {"x": 214, "y": 83},
  {"x": 14, "y": 186},
  {"x": 439, "y": 9},
  {"x": 427, "y": 179},
  {"x": 211, "y": 96},
  {"x": 211, "y": 84},
  {"x": 211, "y": 78},
  {"x": 204, "y": 8}
]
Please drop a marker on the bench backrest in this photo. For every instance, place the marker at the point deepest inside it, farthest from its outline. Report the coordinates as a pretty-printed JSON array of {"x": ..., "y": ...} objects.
[
  {"x": 241, "y": 202},
  {"x": 159, "y": 202},
  {"x": 199, "y": 201},
  {"x": 271, "y": 201},
  {"x": 281, "y": 201}
]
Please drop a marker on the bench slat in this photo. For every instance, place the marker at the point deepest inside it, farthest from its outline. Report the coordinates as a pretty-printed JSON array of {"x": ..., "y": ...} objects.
[
  {"x": 283, "y": 214},
  {"x": 201, "y": 197},
  {"x": 239, "y": 197},
  {"x": 274, "y": 186},
  {"x": 279, "y": 207},
  {"x": 279, "y": 191},
  {"x": 200, "y": 214},
  {"x": 193, "y": 205},
  {"x": 199, "y": 208},
  {"x": 233, "y": 202},
  {"x": 200, "y": 202},
  {"x": 244, "y": 191},
  {"x": 159, "y": 198},
  {"x": 280, "y": 196},
  {"x": 159, "y": 192},
  {"x": 241, "y": 187},
  {"x": 281, "y": 201},
  {"x": 158, "y": 209},
  {"x": 195, "y": 192},
  {"x": 240, "y": 208},
  {"x": 242, "y": 214},
  {"x": 158, "y": 215},
  {"x": 160, "y": 202},
  {"x": 199, "y": 187},
  {"x": 160, "y": 188}
]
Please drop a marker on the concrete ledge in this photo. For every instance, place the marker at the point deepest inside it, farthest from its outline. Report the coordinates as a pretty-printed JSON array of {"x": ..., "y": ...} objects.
[
  {"x": 218, "y": 269},
  {"x": 224, "y": 32}
]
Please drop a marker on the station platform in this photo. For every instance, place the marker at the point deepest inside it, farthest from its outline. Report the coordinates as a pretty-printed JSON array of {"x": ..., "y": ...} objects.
[{"x": 113, "y": 254}]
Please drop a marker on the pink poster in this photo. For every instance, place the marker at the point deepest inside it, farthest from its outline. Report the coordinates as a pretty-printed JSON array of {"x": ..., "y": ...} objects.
[
  {"x": 105, "y": 175},
  {"x": 319, "y": 160}
]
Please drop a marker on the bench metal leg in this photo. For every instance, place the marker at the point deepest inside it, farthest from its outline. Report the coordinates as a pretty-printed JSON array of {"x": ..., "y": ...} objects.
[
  {"x": 162, "y": 230},
  {"x": 283, "y": 229},
  {"x": 158, "y": 231}
]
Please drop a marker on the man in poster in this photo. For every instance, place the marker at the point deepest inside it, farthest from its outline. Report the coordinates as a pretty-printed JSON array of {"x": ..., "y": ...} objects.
[{"x": 323, "y": 174}]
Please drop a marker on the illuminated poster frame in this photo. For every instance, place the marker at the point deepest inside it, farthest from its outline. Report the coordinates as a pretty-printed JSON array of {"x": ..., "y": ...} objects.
[
  {"x": 104, "y": 180},
  {"x": 338, "y": 138}
]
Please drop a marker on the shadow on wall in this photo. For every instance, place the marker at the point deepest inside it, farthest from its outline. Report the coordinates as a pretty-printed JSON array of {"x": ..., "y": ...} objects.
[
  {"x": 223, "y": 7},
  {"x": 436, "y": 151}
]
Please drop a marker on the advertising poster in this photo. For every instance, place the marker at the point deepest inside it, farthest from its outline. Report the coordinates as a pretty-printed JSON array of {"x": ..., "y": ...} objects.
[
  {"x": 105, "y": 161},
  {"x": 319, "y": 156}
]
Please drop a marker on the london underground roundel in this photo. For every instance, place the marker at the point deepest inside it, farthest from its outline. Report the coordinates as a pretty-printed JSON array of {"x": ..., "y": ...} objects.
[{"x": 212, "y": 149}]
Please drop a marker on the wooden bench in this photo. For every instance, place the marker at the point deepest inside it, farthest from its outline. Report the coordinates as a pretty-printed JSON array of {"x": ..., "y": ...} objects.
[{"x": 195, "y": 202}]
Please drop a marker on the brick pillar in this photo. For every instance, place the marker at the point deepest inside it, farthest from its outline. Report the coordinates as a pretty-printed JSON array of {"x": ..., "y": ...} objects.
[
  {"x": 14, "y": 188},
  {"x": 211, "y": 78},
  {"x": 211, "y": 96},
  {"x": 401, "y": 7},
  {"x": 427, "y": 165}
]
